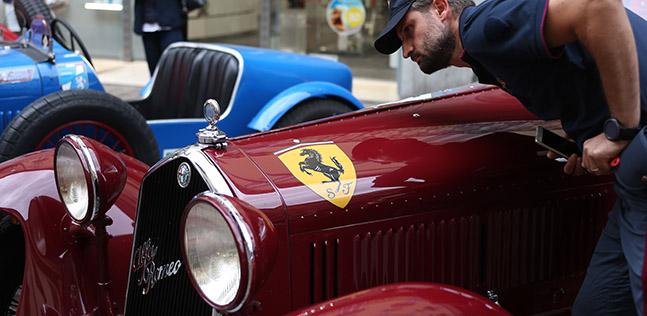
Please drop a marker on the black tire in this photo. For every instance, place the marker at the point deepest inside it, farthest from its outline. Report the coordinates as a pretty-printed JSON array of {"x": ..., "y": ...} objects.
[
  {"x": 12, "y": 248},
  {"x": 26, "y": 10},
  {"x": 91, "y": 113},
  {"x": 313, "y": 109}
]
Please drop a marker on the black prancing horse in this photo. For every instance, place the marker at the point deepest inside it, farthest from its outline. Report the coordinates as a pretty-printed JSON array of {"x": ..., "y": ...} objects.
[{"x": 313, "y": 162}]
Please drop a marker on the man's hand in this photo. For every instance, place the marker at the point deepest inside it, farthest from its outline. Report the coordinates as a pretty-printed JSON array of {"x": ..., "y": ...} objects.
[
  {"x": 573, "y": 165},
  {"x": 598, "y": 153}
]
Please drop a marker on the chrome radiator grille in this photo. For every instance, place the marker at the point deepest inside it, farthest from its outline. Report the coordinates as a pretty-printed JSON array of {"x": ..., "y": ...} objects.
[{"x": 161, "y": 205}]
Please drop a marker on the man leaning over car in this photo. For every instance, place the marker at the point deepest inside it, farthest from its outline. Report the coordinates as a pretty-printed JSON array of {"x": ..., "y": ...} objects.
[{"x": 579, "y": 61}]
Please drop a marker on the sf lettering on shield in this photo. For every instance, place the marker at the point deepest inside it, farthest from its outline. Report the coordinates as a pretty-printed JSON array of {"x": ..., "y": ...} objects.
[
  {"x": 324, "y": 168},
  {"x": 345, "y": 189}
]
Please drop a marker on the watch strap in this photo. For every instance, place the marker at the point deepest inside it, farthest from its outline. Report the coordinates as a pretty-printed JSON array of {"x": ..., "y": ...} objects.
[
  {"x": 627, "y": 133},
  {"x": 621, "y": 132}
]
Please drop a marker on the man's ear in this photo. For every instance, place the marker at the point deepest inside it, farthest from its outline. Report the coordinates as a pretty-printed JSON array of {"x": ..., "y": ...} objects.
[{"x": 440, "y": 8}]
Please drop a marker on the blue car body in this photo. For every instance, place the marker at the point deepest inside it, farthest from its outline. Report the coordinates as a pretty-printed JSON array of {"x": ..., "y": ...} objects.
[
  {"x": 26, "y": 75},
  {"x": 269, "y": 83}
]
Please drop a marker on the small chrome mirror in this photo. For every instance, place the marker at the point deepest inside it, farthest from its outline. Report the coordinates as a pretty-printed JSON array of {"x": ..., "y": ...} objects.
[
  {"x": 211, "y": 135},
  {"x": 211, "y": 111}
]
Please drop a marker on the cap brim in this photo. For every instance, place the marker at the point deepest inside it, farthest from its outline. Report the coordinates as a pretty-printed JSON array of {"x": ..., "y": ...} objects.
[{"x": 388, "y": 42}]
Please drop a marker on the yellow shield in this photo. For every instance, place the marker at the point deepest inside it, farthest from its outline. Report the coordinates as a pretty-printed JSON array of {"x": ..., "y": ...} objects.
[{"x": 324, "y": 168}]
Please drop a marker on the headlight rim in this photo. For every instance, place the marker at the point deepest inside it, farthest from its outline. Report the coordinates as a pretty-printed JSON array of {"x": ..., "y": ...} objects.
[
  {"x": 84, "y": 156},
  {"x": 244, "y": 245}
]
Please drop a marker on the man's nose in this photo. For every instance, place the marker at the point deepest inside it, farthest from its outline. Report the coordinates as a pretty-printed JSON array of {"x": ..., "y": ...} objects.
[{"x": 407, "y": 49}]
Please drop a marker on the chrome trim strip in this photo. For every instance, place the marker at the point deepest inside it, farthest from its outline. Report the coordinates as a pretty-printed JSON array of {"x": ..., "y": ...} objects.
[
  {"x": 178, "y": 120},
  {"x": 202, "y": 164},
  {"x": 215, "y": 47}
]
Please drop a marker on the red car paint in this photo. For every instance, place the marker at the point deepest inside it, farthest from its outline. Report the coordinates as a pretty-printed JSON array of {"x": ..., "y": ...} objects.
[
  {"x": 8, "y": 35},
  {"x": 450, "y": 190},
  {"x": 441, "y": 165},
  {"x": 406, "y": 299},
  {"x": 61, "y": 268}
]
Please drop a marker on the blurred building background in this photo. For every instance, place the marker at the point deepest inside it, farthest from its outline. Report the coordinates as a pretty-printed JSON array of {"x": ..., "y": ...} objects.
[{"x": 343, "y": 30}]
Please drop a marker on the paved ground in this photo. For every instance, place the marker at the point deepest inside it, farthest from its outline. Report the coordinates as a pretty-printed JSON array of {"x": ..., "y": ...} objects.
[
  {"x": 120, "y": 78},
  {"x": 125, "y": 79},
  {"x": 123, "y": 92}
]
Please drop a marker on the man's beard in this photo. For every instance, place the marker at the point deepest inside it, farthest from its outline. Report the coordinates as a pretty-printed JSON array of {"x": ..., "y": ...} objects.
[{"x": 436, "y": 56}]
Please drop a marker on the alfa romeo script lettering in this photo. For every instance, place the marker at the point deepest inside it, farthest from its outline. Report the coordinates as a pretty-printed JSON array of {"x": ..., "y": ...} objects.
[{"x": 150, "y": 272}]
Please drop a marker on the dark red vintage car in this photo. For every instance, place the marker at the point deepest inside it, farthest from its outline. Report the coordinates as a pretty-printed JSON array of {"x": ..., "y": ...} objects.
[{"x": 426, "y": 206}]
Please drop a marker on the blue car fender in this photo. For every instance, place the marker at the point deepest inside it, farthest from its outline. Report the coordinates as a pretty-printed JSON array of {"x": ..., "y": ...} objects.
[{"x": 289, "y": 98}]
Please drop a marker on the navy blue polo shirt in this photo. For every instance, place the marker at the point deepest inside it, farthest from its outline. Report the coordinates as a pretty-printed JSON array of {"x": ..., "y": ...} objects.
[{"x": 503, "y": 42}]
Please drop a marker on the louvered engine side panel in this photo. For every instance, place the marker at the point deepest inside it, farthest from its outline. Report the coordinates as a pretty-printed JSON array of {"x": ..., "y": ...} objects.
[
  {"x": 542, "y": 251},
  {"x": 161, "y": 205},
  {"x": 446, "y": 251},
  {"x": 543, "y": 245}
]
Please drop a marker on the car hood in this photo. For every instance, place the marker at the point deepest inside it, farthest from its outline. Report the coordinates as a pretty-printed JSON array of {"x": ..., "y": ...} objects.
[{"x": 353, "y": 163}]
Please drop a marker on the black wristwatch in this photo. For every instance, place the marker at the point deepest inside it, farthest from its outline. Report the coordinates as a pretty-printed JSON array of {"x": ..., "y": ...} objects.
[{"x": 615, "y": 131}]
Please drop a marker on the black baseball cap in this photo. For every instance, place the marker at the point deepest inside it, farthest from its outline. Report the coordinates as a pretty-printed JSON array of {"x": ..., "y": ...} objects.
[{"x": 388, "y": 41}]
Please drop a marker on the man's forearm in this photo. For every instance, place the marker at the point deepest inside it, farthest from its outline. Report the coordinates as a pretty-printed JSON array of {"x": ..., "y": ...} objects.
[
  {"x": 608, "y": 36},
  {"x": 603, "y": 28}
]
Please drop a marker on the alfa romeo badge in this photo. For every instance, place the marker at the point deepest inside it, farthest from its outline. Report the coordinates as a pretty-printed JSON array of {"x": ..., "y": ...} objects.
[{"x": 183, "y": 174}]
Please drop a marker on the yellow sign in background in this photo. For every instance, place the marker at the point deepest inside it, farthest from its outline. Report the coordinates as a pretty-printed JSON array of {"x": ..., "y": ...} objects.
[{"x": 324, "y": 168}]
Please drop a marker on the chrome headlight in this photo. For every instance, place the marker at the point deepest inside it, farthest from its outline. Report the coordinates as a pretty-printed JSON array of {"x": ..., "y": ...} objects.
[
  {"x": 212, "y": 254},
  {"x": 77, "y": 188},
  {"x": 228, "y": 248},
  {"x": 89, "y": 177}
]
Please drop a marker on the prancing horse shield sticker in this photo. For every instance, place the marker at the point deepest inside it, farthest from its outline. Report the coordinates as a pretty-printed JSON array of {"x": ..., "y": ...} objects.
[{"x": 324, "y": 168}]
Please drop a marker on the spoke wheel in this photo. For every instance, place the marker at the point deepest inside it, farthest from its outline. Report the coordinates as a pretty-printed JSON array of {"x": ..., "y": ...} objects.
[
  {"x": 12, "y": 309},
  {"x": 91, "y": 113},
  {"x": 91, "y": 129}
]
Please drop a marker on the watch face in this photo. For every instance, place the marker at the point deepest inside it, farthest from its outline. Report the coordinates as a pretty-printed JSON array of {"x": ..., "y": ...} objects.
[{"x": 612, "y": 129}]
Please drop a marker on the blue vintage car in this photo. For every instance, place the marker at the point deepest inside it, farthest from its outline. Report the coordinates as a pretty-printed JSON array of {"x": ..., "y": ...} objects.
[
  {"x": 258, "y": 90},
  {"x": 48, "y": 89},
  {"x": 40, "y": 62}
]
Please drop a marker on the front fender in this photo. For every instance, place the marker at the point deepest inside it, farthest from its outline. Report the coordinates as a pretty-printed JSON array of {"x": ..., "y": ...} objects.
[
  {"x": 60, "y": 272},
  {"x": 406, "y": 299},
  {"x": 289, "y": 98}
]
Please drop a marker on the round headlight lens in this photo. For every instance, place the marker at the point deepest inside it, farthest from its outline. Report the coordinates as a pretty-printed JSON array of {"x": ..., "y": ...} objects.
[
  {"x": 72, "y": 184},
  {"x": 212, "y": 254}
]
